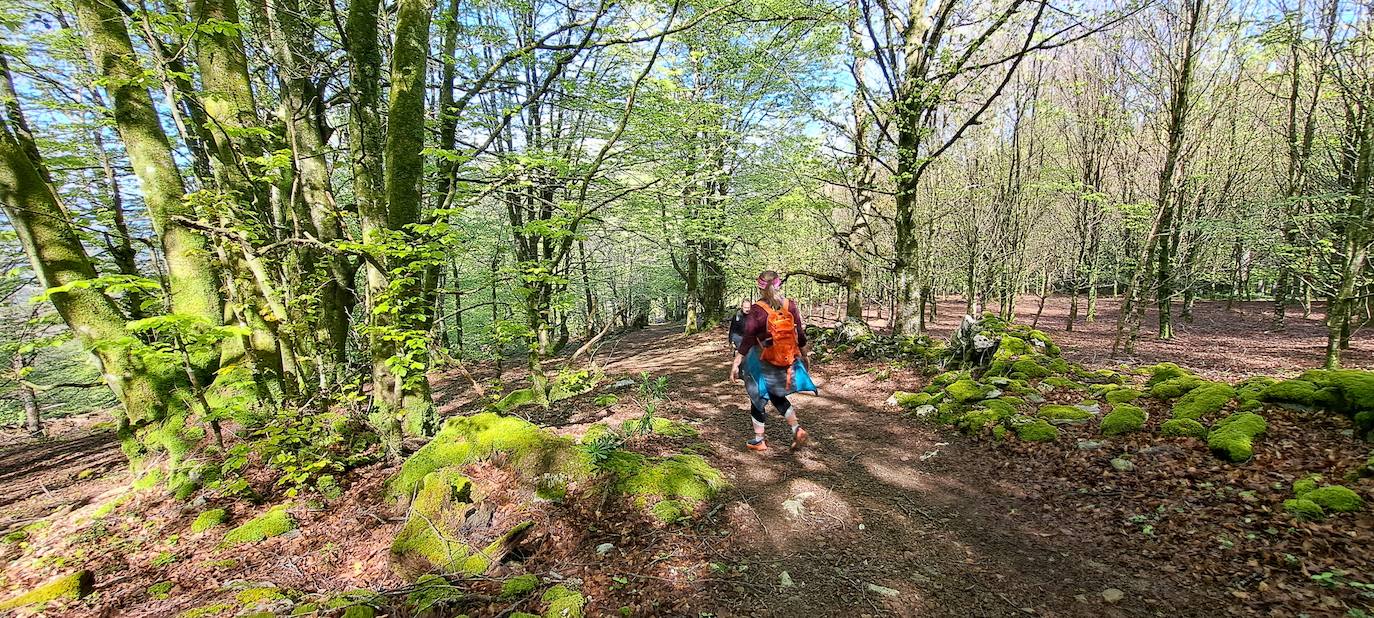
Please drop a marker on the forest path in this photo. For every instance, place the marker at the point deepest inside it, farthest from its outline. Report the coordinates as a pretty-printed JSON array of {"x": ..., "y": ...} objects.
[{"x": 877, "y": 516}]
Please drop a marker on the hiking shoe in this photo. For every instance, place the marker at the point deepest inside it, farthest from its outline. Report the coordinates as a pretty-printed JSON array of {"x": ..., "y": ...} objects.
[
  {"x": 798, "y": 437},
  {"x": 761, "y": 445}
]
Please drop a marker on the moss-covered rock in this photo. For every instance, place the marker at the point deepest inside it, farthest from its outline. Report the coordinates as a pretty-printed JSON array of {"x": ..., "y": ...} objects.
[
  {"x": 1300, "y": 392},
  {"x": 1335, "y": 499},
  {"x": 463, "y": 440},
  {"x": 1183, "y": 428},
  {"x": 975, "y": 420},
  {"x": 68, "y": 587},
  {"x": 209, "y": 519},
  {"x": 1233, "y": 437},
  {"x": 1060, "y": 382},
  {"x": 1028, "y": 369},
  {"x": 1034, "y": 430},
  {"x": 1060, "y": 414},
  {"x": 563, "y": 602},
  {"x": 1123, "y": 419},
  {"x": 1305, "y": 510},
  {"x": 519, "y": 587},
  {"x": 1175, "y": 387},
  {"x": 669, "y": 511},
  {"x": 967, "y": 391},
  {"x": 1123, "y": 395},
  {"x": 1164, "y": 372},
  {"x": 1203, "y": 400},
  {"x": 910, "y": 401},
  {"x": 275, "y": 522},
  {"x": 939, "y": 382}
]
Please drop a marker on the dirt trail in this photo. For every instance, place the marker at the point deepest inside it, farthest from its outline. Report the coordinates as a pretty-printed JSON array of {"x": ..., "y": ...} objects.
[{"x": 877, "y": 516}]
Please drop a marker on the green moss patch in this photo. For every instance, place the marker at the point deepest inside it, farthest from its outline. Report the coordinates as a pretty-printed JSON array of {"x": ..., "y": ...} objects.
[
  {"x": 684, "y": 477},
  {"x": 1123, "y": 419},
  {"x": 662, "y": 426},
  {"x": 205, "y": 611},
  {"x": 1335, "y": 499},
  {"x": 274, "y": 522},
  {"x": 1123, "y": 395},
  {"x": 1056, "y": 412},
  {"x": 1233, "y": 437},
  {"x": 1064, "y": 383},
  {"x": 253, "y": 596},
  {"x": 209, "y": 519},
  {"x": 68, "y": 587},
  {"x": 1203, "y": 400},
  {"x": 1164, "y": 372},
  {"x": 1035, "y": 430},
  {"x": 519, "y": 586},
  {"x": 967, "y": 391},
  {"x": 563, "y": 602},
  {"x": 909, "y": 401},
  {"x": 1305, "y": 510},
  {"x": 1304, "y": 486},
  {"x": 430, "y": 592},
  {"x": 160, "y": 590},
  {"x": 1175, "y": 387},
  {"x": 1183, "y": 428}
]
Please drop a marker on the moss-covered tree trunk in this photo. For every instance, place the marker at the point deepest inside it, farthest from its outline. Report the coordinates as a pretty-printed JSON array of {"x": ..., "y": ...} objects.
[
  {"x": 406, "y": 394},
  {"x": 58, "y": 259},
  {"x": 192, "y": 279},
  {"x": 237, "y": 138},
  {"x": 312, "y": 206},
  {"x": 365, "y": 152}
]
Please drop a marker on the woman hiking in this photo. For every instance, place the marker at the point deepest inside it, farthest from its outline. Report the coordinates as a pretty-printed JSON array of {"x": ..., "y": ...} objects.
[{"x": 771, "y": 353}]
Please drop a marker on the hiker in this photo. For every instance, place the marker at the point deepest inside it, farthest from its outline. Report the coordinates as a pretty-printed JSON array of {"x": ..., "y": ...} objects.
[
  {"x": 737, "y": 323},
  {"x": 774, "y": 361}
]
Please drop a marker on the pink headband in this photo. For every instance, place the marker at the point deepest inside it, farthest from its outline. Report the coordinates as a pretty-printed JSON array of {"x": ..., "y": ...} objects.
[{"x": 764, "y": 284}]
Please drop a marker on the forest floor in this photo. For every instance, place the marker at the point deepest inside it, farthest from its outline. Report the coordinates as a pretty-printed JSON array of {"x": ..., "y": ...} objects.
[{"x": 880, "y": 516}]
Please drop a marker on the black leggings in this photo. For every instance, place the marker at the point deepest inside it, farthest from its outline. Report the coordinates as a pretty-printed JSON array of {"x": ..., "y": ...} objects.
[{"x": 779, "y": 401}]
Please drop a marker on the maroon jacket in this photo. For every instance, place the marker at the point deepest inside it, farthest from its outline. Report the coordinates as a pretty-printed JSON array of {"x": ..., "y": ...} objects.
[{"x": 756, "y": 328}]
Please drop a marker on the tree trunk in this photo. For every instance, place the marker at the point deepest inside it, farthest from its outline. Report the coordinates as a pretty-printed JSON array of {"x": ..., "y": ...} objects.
[
  {"x": 407, "y": 394},
  {"x": 365, "y": 149},
  {"x": 1176, "y": 128},
  {"x": 59, "y": 260},
  {"x": 33, "y": 418},
  {"x": 192, "y": 278}
]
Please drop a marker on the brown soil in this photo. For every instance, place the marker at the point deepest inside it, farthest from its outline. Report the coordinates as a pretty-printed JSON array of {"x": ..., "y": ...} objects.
[{"x": 880, "y": 516}]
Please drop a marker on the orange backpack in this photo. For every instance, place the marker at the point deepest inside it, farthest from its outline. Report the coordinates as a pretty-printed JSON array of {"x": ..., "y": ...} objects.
[{"x": 783, "y": 330}]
